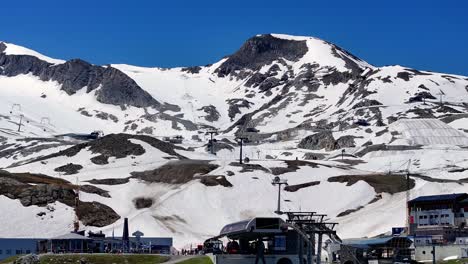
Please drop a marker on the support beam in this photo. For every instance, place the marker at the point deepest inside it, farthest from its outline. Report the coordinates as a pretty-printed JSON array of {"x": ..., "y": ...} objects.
[{"x": 312, "y": 240}]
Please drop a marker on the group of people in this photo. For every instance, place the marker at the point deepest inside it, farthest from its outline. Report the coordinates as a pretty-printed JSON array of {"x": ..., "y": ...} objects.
[{"x": 257, "y": 247}]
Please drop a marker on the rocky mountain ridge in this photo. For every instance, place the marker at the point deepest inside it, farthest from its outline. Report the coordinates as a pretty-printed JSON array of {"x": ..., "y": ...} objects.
[{"x": 339, "y": 129}]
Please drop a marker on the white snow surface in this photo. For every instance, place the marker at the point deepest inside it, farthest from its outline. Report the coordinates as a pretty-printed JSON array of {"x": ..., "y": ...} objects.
[
  {"x": 192, "y": 212},
  {"x": 428, "y": 132},
  {"x": 12, "y": 49}
]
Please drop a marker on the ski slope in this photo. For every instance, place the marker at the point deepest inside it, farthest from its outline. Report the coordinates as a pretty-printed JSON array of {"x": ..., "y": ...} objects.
[{"x": 285, "y": 100}]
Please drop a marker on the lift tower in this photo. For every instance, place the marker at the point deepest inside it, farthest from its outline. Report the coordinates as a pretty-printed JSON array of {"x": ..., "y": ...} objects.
[
  {"x": 212, "y": 132},
  {"x": 241, "y": 140},
  {"x": 278, "y": 181}
]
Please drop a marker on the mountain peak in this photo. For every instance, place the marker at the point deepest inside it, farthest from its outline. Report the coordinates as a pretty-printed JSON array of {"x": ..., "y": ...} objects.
[
  {"x": 265, "y": 49},
  {"x": 12, "y": 49}
]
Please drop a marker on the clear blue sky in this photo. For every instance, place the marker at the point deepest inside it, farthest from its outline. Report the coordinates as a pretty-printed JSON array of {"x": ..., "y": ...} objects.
[{"x": 428, "y": 35}]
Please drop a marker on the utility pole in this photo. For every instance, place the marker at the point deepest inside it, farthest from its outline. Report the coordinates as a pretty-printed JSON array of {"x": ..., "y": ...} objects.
[
  {"x": 408, "y": 182},
  {"x": 20, "y": 122},
  {"x": 240, "y": 140},
  {"x": 278, "y": 181},
  {"x": 258, "y": 154},
  {"x": 212, "y": 132},
  {"x": 441, "y": 94}
]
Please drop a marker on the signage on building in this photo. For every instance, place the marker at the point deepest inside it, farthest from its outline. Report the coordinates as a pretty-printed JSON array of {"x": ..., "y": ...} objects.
[{"x": 397, "y": 231}]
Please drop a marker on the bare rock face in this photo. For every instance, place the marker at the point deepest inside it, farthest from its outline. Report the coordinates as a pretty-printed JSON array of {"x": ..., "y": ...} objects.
[
  {"x": 325, "y": 140},
  {"x": 39, "y": 194},
  {"x": 176, "y": 172},
  {"x": 96, "y": 214},
  {"x": 262, "y": 50},
  {"x": 143, "y": 202},
  {"x": 110, "y": 181},
  {"x": 115, "y": 145},
  {"x": 321, "y": 140},
  {"x": 95, "y": 190},
  {"x": 27, "y": 259},
  {"x": 116, "y": 87},
  {"x": 41, "y": 190},
  {"x": 212, "y": 113},
  {"x": 345, "y": 142},
  {"x": 69, "y": 168},
  {"x": 215, "y": 180}
]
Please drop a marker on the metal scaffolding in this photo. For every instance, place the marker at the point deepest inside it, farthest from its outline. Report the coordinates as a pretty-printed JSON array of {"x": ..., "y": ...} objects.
[{"x": 311, "y": 227}]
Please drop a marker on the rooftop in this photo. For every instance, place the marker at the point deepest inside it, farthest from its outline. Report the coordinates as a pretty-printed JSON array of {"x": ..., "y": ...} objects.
[
  {"x": 377, "y": 242},
  {"x": 70, "y": 236},
  {"x": 442, "y": 197}
]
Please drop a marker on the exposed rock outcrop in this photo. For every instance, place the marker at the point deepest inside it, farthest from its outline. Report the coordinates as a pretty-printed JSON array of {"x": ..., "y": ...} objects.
[
  {"x": 176, "y": 172},
  {"x": 215, "y": 180},
  {"x": 69, "y": 168},
  {"x": 262, "y": 50},
  {"x": 325, "y": 140},
  {"x": 96, "y": 214},
  {"x": 143, "y": 202},
  {"x": 116, "y": 88}
]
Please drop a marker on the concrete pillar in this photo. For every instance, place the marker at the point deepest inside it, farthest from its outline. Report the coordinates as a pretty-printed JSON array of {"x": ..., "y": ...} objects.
[
  {"x": 319, "y": 249},
  {"x": 312, "y": 241}
]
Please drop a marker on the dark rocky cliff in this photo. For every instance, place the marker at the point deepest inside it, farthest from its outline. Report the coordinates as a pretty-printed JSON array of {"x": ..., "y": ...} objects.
[{"x": 115, "y": 87}]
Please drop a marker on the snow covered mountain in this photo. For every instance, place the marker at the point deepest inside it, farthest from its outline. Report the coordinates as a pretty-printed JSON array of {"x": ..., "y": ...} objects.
[{"x": 292, "y": 97}]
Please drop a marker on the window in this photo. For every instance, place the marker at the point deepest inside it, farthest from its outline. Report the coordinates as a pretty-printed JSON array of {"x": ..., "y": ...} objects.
[
  {"x": 8, "y": 251},
  {"x": 1, "y": 252},
  {"x": 28, "y": 251},
  {"x": 19, "y": 251}
]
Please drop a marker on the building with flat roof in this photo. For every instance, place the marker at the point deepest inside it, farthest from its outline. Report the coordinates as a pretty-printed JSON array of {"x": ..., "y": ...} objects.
[
  {"x": 442, "y": 217},
  {"x": 387, "y": 249},
  {"x": 18, "y": 246}
]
